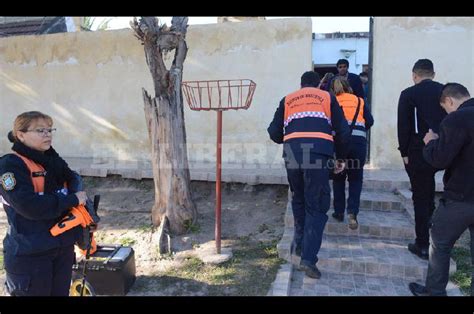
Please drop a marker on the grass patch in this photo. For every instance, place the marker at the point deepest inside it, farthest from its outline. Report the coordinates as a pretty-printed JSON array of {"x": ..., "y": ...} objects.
[
  {"x": 190, "y": 227},
  {"x": 145, "y": 228},
  {"x": 104, "y": 238},
  {"x": 250, "y": 272},
  {"x": 462, "y": 276},
  {"x": 127, "y": 241}
]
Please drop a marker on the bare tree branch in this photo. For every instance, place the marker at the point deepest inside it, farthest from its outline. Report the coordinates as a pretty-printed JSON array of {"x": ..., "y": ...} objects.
[
  {"x": 179, "y": 24},
  {"x": 150, "y": 33}
]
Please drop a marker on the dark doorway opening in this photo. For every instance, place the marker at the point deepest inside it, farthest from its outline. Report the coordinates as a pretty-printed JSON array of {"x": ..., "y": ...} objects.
[{"x": 322, "y": 70}]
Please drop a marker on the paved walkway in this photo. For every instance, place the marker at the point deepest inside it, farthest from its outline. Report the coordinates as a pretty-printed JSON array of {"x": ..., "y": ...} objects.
[{"x": 370, "y": 261}]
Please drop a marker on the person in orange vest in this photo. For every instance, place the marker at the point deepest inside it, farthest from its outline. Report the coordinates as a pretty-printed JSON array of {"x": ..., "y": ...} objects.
[
  {"x": 360, "y": 120},
  {"x": 36, "y": 262},
  {"x": 303, "y": 123}
]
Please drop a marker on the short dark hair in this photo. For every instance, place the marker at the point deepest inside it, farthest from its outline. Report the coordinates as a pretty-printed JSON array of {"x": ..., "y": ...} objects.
[
  {"x": 364, "y": 74},
  {"x": 310, "y": 79},
  {"x": 454, "y": 90},
  {"x": 423, "y": 67},
  {"x": 342, "y": 61}
]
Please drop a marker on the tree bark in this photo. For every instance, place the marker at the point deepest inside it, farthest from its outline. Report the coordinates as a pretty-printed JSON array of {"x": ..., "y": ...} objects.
[{"x": 164, "y": 116}]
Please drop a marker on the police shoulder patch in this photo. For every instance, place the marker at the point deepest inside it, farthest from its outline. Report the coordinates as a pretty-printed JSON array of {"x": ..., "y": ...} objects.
[{"x": 8, "y": 181}]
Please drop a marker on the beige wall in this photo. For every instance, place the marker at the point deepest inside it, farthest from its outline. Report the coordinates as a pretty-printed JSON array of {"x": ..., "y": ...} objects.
[
  {"x": 398, "y": 43},
  {"x": 90, "y": 82}
]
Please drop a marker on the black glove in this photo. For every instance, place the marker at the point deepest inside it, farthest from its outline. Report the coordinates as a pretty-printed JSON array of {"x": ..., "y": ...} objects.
[{"x": 83, "y": 242}]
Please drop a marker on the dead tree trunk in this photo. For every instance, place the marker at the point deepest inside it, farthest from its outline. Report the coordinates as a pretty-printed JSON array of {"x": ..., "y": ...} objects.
[{"x": 165, "y": 121}]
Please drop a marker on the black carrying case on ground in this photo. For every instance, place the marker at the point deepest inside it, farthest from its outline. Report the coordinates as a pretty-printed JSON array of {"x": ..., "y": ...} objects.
[{"x": 110, "y": 270}]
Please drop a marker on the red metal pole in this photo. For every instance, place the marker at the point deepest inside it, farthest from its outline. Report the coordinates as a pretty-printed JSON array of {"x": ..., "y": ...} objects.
[{"x": 218, "y": 181}]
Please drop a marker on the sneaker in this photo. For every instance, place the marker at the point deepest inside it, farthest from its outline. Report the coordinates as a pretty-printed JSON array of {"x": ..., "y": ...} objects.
[
  {"x": 353, "y": 224},
  {"x": 310, "y": 271},
  {"x": 338, "y": 217}
]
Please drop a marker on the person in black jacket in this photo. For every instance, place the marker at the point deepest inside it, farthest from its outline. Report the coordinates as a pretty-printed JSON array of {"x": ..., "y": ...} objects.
[
  {"x": 354, "y": 80},
  {"x": 452, "y": 150},
  {"x": 304, "y": 122},
  {"x": 36, "y": 263},
  {"x": 418, "y": 111}
]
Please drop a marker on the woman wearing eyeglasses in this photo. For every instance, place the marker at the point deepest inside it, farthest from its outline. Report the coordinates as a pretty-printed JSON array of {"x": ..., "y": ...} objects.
[{"x": 36, "y": 262}]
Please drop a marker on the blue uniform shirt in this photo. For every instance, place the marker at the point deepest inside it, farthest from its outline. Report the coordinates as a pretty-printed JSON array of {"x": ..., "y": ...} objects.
[{"x": 31, "y": 215}]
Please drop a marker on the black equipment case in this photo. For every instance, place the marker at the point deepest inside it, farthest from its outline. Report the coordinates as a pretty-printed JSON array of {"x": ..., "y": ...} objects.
[{"x": 110, "y": 270}]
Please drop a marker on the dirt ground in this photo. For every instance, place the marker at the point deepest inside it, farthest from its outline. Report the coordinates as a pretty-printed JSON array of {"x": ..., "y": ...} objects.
[{"x": 252, "y": 224}]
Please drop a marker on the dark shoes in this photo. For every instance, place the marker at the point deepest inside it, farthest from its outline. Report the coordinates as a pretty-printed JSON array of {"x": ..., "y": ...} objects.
[
  {"x": 353, "y": 224},
  {"x": 418, "y": 290},
  {"x": 338, "y": 217},
  {"x": 295, "y": 249},
  {"x": 310, "y": 271},
  {"x": 422, "y": 253}
]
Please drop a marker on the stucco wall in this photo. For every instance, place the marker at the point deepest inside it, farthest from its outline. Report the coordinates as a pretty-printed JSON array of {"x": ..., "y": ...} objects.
[
  {"x": 90, "y": 83},
  {"x": 398, "y": 43}
]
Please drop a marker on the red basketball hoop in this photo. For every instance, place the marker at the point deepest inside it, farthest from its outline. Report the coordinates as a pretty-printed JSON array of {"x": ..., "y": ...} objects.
[{"x": 219, "y": 95}]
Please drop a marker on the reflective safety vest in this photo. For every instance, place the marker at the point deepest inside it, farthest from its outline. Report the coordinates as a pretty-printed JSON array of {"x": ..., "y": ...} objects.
[
  {"x": 348, "y": 103},
  {"x": 77, "y": 216},
  {"x": 308, "y": 115}
]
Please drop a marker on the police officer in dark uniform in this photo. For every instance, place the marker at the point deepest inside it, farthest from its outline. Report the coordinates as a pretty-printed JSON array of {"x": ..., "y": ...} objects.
[
  {"x": 419, "y": 111},
  {"x": 304, "y": 122},
  {"x": 452, "y": 150},
  {"x": 36, "y": 263}
]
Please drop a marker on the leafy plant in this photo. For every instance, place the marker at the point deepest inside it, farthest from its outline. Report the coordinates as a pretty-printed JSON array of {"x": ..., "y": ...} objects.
[
  {"x": 88, "y": 23},
  {"x": 462, "y": 276},
  {"x": 193, "y": 228},
  {"x": 127, "y": 241}
]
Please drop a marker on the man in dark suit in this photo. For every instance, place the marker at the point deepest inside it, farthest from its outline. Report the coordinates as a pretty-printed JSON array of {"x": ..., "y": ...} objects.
[{"x": 419, "y": 111}]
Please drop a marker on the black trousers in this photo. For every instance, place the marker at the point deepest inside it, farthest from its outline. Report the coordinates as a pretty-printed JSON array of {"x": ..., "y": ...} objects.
[
  {"x": 46, "y": 274},
  {"x": 422, "y": 179},
  {"x": 450, "y": 221}
]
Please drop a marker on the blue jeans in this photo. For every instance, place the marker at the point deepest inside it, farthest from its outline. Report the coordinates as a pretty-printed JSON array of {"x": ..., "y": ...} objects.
[
  {"x": 355, "y": 175},
  {"x": 311, "y": 196}
]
